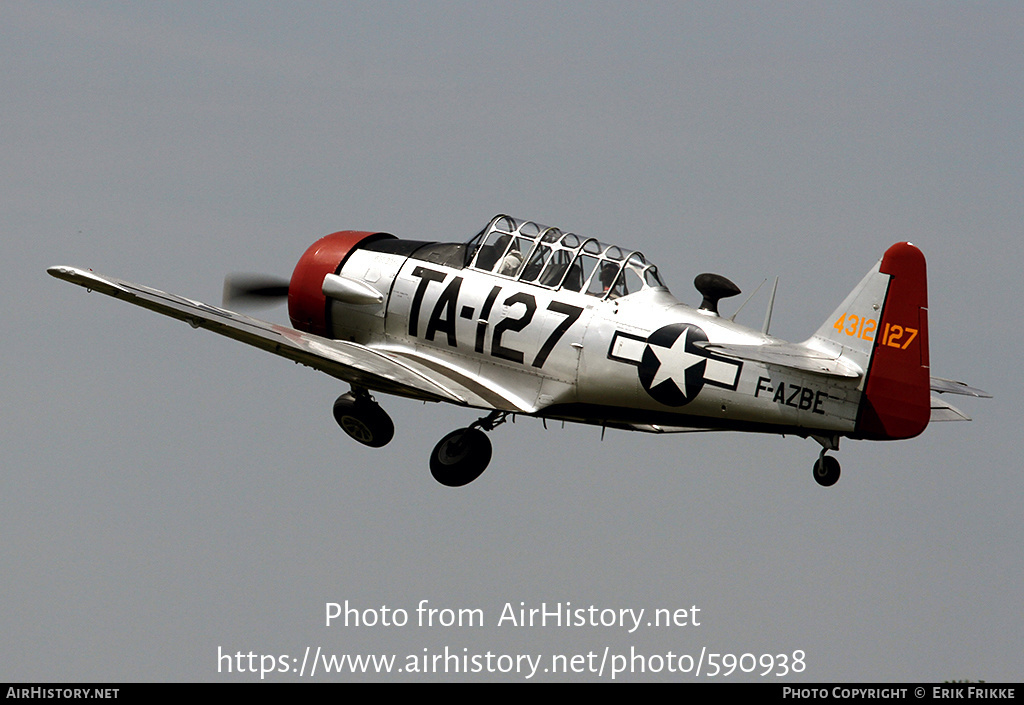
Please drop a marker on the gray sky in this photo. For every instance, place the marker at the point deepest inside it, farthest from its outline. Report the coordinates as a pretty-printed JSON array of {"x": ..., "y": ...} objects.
[{"x": 167, "y": 492}]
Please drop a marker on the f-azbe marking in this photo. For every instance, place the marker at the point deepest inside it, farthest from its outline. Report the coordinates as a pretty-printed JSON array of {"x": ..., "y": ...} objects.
[{"x": 795, "y": 396}]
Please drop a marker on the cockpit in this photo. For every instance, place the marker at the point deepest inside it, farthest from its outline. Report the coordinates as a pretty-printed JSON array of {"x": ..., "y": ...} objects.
[{"x": 545, "y": 256}]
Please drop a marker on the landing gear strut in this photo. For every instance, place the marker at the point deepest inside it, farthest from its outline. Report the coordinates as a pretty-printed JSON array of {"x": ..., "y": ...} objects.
[
  {"x": 362, "y": 418},
  {"x": 462, "y": 455}
]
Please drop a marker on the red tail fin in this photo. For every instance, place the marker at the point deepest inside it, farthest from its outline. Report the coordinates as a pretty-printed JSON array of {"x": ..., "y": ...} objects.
[{"x": 896, "y": 402}]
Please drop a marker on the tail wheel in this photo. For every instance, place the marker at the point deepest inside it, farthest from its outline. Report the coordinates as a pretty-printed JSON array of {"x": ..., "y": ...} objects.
[
  {"x": 826, "y": 471},
  {"x": 363, "y": 420},
  {"x": 460, "y": 457}
]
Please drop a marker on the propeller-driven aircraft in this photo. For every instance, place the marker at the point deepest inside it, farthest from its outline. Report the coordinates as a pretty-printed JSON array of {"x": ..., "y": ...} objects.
[{"x": 528, "y": 319}]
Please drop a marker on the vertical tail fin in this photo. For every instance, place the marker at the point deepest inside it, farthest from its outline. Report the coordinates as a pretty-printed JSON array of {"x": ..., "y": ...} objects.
[{"x": 882, "y": 327}]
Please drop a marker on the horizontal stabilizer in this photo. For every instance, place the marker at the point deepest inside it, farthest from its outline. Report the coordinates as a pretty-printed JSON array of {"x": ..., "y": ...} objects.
[
  {"x": 944, "y": 411},
  {"x": 949, "y": 386},
  {"x": 795, "y": 356}
]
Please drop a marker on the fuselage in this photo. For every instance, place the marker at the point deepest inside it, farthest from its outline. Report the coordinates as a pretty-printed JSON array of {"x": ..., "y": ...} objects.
[{"x": 607, "y": 344}]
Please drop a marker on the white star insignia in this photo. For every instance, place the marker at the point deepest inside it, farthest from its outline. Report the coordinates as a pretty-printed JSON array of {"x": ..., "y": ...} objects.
[{"x": 674, "y": 362}]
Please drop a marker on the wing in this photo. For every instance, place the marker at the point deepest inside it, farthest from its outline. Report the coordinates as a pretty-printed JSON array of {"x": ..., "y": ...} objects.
[{"x": 354, "y": 363}]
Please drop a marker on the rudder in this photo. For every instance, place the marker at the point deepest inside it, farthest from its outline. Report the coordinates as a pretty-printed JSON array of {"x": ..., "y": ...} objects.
[{"x": 896, "y": 401}]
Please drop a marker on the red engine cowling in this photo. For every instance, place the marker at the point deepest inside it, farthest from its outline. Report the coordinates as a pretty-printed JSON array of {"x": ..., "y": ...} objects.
[{"x": 307, "y": 305}]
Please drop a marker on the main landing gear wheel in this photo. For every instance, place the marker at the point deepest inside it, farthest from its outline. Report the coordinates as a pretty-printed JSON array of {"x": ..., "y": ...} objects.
[
  {"x": 363, "y": 419},
  {"x": 460, "y": 457},
  {"x": 826, "y": 471}
]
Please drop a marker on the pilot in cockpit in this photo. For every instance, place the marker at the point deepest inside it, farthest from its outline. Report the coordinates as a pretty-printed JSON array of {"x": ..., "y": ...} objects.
[
  {"x": 607, "y": 277},
  {"x": 511, "y": 263},
  {"x": 490, "y": 253}
]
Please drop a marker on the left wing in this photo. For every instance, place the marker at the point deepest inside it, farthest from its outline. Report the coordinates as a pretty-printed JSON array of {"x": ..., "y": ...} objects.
[{"x": 351, "y": 362}]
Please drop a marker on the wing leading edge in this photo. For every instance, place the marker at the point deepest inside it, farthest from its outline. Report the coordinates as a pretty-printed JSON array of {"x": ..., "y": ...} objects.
[{"x": 351, "y": 362}]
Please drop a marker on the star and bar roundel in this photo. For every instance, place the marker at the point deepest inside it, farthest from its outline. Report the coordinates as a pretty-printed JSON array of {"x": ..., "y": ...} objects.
[{"x": 671, "y": 367}]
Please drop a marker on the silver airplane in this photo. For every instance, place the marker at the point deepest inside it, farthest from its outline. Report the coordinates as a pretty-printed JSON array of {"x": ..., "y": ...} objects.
[{"x": 527, "y": 319}]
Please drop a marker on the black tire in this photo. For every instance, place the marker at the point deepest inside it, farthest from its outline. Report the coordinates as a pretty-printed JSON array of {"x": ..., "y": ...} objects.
[
  {"x": 826, "y": 471},
  {"x": 460, "y": 457},
  {"x": 364, "y": 421}
]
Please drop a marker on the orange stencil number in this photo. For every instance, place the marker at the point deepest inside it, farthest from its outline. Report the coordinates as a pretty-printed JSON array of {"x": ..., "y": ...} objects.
[
  {"x": 856, "y": 326},
  {"x": 894, "y": 334}
]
